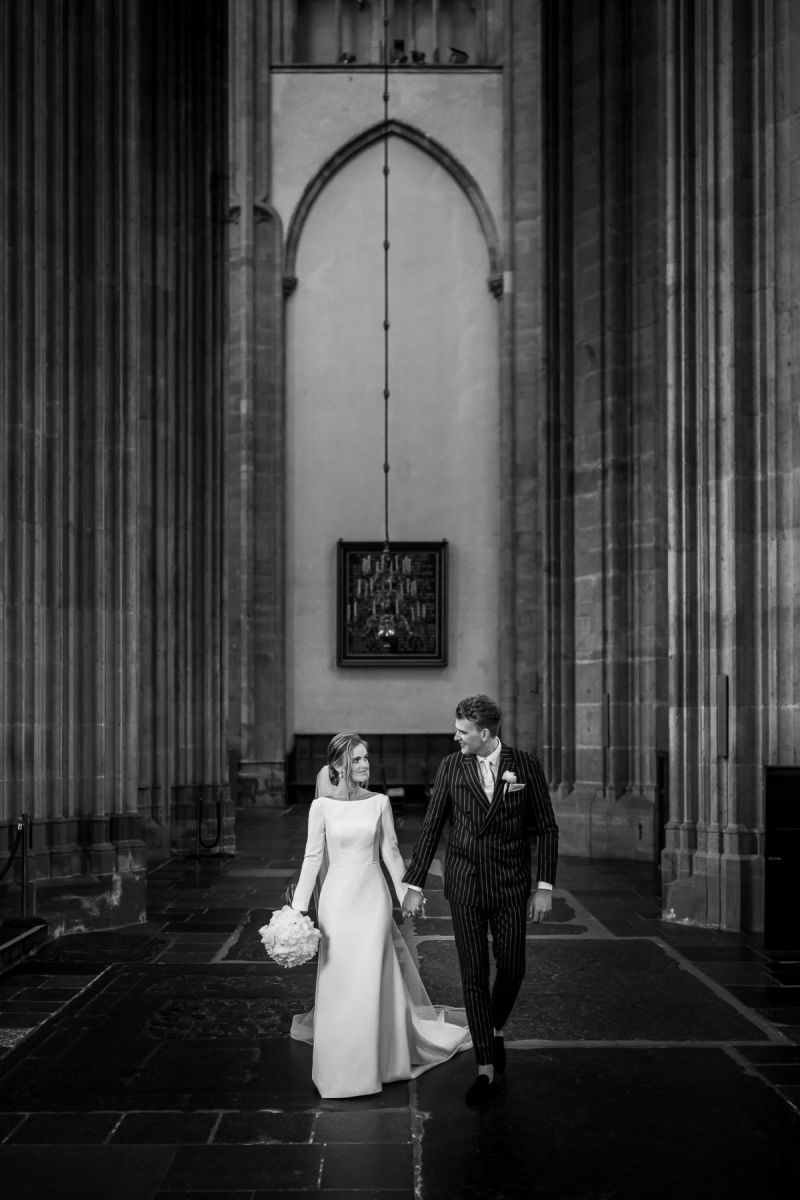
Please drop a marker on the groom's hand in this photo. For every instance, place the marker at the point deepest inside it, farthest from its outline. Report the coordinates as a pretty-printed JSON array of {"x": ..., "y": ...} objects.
[
  {"x": 540, "y": 904},
  {"x": 412, "y": 901}
]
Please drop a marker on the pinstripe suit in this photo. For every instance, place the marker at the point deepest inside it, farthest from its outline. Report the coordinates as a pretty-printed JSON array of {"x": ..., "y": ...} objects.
[{"x": 487, "y": 875}]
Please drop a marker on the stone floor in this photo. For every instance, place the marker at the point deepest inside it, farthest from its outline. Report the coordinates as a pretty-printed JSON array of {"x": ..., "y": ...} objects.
[{"x": 646, "y": 1060}]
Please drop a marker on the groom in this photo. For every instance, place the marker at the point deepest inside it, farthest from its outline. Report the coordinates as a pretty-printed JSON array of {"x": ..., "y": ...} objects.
[{"x": 489, "y": 792}]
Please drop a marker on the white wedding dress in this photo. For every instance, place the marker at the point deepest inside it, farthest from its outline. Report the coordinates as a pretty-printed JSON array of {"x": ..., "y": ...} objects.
[{"x": 372, "y": 1022}]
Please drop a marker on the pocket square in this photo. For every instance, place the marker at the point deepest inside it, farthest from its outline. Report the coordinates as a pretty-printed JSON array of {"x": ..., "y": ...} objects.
[{"x": 516, "y": 787}]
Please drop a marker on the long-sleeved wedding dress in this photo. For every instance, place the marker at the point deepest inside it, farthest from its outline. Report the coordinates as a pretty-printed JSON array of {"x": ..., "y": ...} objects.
[{"x": 372, "y": 1022}]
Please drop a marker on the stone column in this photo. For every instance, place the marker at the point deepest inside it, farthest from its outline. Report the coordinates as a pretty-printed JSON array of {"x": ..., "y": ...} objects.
[
  {"x": 600, "y": 484},
  {"x": 69, "y": 413},
  {"x": 733, "y": 456},
  {"x": 111, "y": 415},
  {"x": 181, "y": 162},
  {"x": 255, "y": 433},
  {"x": 522, "y": 393}
]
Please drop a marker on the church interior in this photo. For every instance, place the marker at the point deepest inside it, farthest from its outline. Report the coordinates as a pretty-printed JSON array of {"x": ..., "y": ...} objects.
[{"x": 359, "y": 356}]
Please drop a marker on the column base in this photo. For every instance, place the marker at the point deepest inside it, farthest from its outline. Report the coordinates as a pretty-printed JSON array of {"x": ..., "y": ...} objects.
[
  {"x": 262, "y": 783},
  {"x": 593, "y": 825},
  {"x": 723, "y": 891}
]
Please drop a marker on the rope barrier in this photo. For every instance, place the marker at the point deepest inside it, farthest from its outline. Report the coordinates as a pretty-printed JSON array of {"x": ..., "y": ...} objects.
[
  {"x": 16, "y": 846},
  {"x": 199, "y": 796},
  {"x": 23, "y": 843}
]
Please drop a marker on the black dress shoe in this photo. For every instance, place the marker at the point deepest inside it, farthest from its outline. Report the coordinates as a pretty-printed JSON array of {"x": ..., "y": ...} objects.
[
  {"x": 483, "y": 1091},
  {"x": 499, "y": 1055}
]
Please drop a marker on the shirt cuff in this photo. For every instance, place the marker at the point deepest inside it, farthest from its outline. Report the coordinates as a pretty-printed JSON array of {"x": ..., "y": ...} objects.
[
  {"x": 412, "y": 887},
  {"x": 545, "y": 887}
]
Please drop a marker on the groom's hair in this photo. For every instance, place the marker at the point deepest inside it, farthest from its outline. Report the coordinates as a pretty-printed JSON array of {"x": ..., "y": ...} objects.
[{"x": 482, "y": 711}]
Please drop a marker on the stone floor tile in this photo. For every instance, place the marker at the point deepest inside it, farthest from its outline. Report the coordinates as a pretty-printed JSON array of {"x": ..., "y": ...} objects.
[
  {"x": 718, "y": 954},
  {"x": 789, "y": 976},
  {"x": 781, "y": 1015},
  {"x": 374, "y": 1166},
  {"x": 50, "y": 993},
  {"x": 73, "y": 982},
  {"x": 165, "y": 1128},
  {"x": 200, "y": 927},
  {"x": 364, "y": 1127},
  {"x": 64, "y": 1128},
  {"x": 73, "y": 1172},
  {"x": 184, "y": 956},
  {"x": 369, "y": 1193},
  {"x": 24, "y": 1019},
  {"x": 770, "y": 1053},
  {"x": 242, "y": 1167},
  {"x": 223, "y": 1195},
  {"x": 9, "y": 1122},
  {"x": 784, "y": 1074},
  {"x": 195, "y": 939},
  {"x": 768, "y": 997},
  {"x": 262, "y": 1128}
]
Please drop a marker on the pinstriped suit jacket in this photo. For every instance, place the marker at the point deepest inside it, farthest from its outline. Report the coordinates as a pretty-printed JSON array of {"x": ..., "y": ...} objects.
[{"x": 488, "y": 859}]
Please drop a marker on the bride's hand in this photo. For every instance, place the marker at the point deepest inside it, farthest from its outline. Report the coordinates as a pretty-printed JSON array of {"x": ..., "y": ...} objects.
[{"x": 413, "y": 901}]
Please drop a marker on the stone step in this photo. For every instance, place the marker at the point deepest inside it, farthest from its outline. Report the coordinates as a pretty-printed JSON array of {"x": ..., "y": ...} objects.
[{"x": 19, "y": 937}]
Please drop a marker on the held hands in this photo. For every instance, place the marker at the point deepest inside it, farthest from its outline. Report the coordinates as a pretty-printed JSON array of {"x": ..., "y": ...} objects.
[
  {"x": 540, "y": 904},
  {"x": 413, "y": 902}
]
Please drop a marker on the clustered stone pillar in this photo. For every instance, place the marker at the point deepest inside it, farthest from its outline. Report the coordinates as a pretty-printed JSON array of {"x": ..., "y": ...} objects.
[
  {"x": 733, "y": 197},
  {"x": 254, "y": 433},
  {"x": 584, "y": 406},
  {"x": 111, "y": 420},
  {"x": 655, "y": 545}
]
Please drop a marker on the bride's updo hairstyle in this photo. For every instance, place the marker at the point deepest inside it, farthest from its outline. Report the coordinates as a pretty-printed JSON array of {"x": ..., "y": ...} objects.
[{"x": 340, "y": 746}]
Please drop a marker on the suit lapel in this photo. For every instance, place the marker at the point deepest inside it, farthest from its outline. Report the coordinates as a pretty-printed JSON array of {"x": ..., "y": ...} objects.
[
  {"x": 505, "y": 763},
  {"x": 472, "y": 777}
]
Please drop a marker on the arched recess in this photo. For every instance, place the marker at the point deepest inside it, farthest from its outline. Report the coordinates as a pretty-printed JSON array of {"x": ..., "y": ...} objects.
[
  {"x": 445, "y": 402},
  {"x": 430, "y": 146}
]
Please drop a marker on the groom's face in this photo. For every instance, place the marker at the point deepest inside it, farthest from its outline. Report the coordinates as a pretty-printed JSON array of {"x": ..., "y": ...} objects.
[{"x": 469, "y": 737}]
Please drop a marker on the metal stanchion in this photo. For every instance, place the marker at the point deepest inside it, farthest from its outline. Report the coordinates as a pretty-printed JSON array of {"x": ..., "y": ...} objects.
[
  {"x": 23, "y": 842},
  {"x": 19, "y": 935},
  {"x": 25, "y": 828},
  {"x": 200, "y": 844}
]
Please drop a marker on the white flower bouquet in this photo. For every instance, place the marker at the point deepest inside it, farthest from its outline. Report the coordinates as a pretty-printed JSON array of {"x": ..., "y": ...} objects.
[{"x": 290, "y": 939}]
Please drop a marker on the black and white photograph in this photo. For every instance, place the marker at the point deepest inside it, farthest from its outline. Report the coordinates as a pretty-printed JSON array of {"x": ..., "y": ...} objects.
[{"x": 399, "y": 594}]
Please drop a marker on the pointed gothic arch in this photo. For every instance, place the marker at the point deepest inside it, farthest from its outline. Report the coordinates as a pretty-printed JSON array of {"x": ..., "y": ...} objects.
[{"x": 429, "y": 145}]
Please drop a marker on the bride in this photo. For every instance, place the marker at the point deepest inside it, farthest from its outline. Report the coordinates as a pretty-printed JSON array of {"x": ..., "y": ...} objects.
[{"x": 372, "y": 1022}]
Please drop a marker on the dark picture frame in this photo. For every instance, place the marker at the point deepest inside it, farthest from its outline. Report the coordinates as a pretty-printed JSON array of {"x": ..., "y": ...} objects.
[{"x": 418, "y": 635}]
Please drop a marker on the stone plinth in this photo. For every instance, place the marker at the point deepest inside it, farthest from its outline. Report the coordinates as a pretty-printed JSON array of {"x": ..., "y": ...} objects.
[{"x": 262, "y": 783}]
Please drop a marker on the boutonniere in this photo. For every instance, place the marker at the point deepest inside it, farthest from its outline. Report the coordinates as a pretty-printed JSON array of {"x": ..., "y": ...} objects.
[{"x": 510, "y": 780}]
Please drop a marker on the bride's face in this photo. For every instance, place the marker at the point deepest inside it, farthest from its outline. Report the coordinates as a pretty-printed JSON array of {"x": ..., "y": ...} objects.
[{"x": 359, "y": 771}]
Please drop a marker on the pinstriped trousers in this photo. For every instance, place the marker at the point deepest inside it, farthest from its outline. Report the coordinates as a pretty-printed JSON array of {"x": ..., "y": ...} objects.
[{"x": 488, "y": 1007}]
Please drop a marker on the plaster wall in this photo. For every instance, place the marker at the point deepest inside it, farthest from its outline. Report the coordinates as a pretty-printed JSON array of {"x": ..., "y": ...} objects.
[
  {"x": 443, "y": 434},
  {"x": 315, "y": 113}
]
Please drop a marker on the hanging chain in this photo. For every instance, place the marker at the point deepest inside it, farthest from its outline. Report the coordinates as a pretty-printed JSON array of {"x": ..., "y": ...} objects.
[{"x": 386, "y": 271}]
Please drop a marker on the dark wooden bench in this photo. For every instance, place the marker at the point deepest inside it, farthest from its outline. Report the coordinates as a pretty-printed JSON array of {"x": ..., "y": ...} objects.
[{"x": 403, "y": 765}]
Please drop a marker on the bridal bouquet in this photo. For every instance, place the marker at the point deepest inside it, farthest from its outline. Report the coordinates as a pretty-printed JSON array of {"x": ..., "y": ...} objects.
[{"x": 290, "y": 938}]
